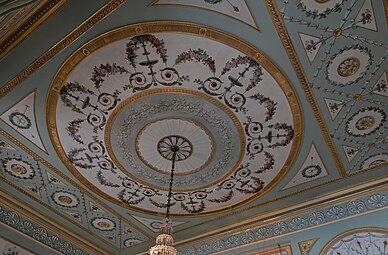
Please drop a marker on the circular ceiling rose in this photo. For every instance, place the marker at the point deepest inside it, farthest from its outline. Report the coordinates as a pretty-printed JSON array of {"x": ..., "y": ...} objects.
[
  {"x": 349, "y": 65},
  {"x": 122, "y": 100},
  {"x": 365, "y": 122},
  {"x": 65, "y": 199},
  {"x": 103, "y": 224},
  {"x": 154, "y": 142},
  {"x": 319, "y": 8},
  {"x": 18, "y": 168}
]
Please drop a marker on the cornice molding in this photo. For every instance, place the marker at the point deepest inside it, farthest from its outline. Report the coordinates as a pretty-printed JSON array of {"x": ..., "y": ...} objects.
[
  {"x": 28, "y": 25},
  {"x": 288, "y": 223},
  {"x": 61, "y": 45},
  {"x": 41, "y": 230}
]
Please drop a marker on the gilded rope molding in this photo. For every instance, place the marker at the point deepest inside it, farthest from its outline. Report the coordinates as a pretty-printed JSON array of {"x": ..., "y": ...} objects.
[
  {"x": 61, "y": 45},
  {"x": 285, "y": 38},
  {"x": 30, "y": 23}
]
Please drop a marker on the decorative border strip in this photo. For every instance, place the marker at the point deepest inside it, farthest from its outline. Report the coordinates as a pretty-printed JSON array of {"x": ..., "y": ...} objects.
[
  {"x": 336, "y": 212},
  {"x": 61, "y": 45},
  {"x": 18, "y": 222},
  {"x": 286, "y": 40},
  {"x": 28, "y": 26},
  {"x": 24, "y": 192},
  {"x": 69, "y": 180}
]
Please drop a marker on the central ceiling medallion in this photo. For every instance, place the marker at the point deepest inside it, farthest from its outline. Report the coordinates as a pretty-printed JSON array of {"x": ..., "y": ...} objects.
[
  {"x": 196, "y": 146},
  {"x": 126, "y": 102},
  {"x": 183, "y": 147}
]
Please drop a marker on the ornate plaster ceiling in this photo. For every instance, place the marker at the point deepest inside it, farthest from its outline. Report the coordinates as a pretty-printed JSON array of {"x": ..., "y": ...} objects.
[
  {"x": 127, "y": 98},
  {"x": 281, "y": 130}
]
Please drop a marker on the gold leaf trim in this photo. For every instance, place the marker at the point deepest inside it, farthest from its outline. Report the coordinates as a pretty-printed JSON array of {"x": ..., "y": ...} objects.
[
  {"x": 288, "y": 46},
  {"x": 61, "y": 45},
  {"x": 31, "y": 22}
]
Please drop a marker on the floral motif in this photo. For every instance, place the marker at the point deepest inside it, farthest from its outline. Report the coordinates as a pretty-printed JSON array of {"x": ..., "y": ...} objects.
[
  {"x": 366, "y": 17},
  {"x": 270, "y": 104},
  {"x": 65, "y": 199},
  {"x": 311, "y": 171},
  {"x": 18, "y": 168},
  {"x": 140, "y": 41},
  {"x": 323, "y": 12},
  {"x": 235, "y": 86},
  {"x": 365, "y": 121},
  {"x": 20, "y": 120},
  {"x": 335, "y": 212},
  {"x": 103, "y": 224},
  {"x": 105, "y": 71},
  {"x": 239, "y": 60},
  {"x": 377, "y": 200},
  {"x": 66, "y": 95},
  {"x": 199, "y": 55},
  {"x": 348, "y": 67},
  {"x": 42, "y": 235},
  {"x": 322, "y": 216},
  {"x": 73, "y": 128}
]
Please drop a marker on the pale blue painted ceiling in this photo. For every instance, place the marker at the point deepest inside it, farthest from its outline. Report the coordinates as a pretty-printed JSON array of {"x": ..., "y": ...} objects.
[{"x": 297, "y": 20}]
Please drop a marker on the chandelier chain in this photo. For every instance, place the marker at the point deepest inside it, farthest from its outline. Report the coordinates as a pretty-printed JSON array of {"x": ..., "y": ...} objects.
[{"x": 170, "y": 187}]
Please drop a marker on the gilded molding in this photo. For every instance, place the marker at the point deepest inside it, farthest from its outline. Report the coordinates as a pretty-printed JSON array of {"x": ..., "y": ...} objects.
[
  {"x": 287, "y": 223},
  {"x": 61, "y": 45},
  {"x": 18, "y": 245},
  {"x": 184, "y": 28},
  {"x": 286, "y": 40},
  {"x": 66, "y": 178},
  {"x": 45, "y": 228},
  {"x": 281, "y": 250},
  {"x": 18, "y": 188},
  {"x": 18, "y": 34}
]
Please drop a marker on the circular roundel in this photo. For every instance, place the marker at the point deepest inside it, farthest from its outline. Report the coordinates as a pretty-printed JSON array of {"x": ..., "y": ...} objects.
[
  {"x": 311, "y": 171},
  {"x": 103, "y": 224},
  {"x": 18, "y": 168},
  {"x": 319, "y": 8},
  {"x": 375, "y": 160},
  {"x": 234, "y": 122},
  {"x": 349, "y": 65},
  {"x": 20, "y": 120},
  {"x": 131, "y": 241},
  {"x": 65, "y": 199},
  {"x": 156, "y": 140},
  {"x": 365, "y": 122},
  {"x": 361, "y": 240},
  {"x": 156, "y": 225}
]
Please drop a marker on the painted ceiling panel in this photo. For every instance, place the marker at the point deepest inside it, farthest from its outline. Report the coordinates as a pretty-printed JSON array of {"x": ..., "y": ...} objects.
[
  {"x": 237, "y": 9},
  {"x": 260, "y": 156},
  {"x": 346, "y": 49},
  {"x": 40, "y": 184},
  {"x": 233, "y": 152}
]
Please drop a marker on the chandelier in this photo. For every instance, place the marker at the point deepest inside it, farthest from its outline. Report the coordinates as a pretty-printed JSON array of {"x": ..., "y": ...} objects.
[{"x": 172, "y": 148}]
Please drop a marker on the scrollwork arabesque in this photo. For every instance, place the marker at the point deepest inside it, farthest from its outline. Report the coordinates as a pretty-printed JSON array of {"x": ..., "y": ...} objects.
[{"x": 144, "y": 70}]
